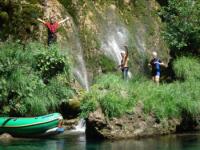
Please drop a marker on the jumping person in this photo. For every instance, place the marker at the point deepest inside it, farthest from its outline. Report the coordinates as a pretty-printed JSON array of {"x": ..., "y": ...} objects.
[
  {"x": 52, "y": 27},
  {"x": 124, "y": 63},
  {"x": 155, "y": 63}
]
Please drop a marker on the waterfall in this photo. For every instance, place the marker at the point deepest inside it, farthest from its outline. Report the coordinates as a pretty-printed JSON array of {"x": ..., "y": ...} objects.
[
  {"x": 114, "y": 41},
  {"x": 74, "y": 44},
  {"x": 114, "y": 37},
  {"x": 79, "y": 69},
  {"x": 80, "y": 127}
]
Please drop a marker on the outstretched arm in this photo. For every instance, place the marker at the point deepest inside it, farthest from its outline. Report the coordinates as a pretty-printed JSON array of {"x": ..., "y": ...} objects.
[
  {"x": 67, "y": 18},
  {"x": 41, "y": 20},
  {"x": 126, "y": 52},
  {"x": 162, "y": 64}
]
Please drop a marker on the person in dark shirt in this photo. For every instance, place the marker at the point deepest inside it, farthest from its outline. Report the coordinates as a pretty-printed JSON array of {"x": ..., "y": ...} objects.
[
  {"x": 155, "y": 64},
  {"x": 52, "y": 27}
]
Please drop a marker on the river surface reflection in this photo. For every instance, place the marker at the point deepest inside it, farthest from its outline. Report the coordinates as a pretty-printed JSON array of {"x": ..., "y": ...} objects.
[{"x": 79, "y": 142}]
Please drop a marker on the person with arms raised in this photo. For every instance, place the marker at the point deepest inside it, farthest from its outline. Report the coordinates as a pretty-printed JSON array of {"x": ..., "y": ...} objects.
[{"x": 52, "y": 27}]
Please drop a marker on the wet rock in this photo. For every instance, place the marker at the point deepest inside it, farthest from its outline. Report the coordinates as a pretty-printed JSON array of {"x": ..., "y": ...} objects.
[
  {"x": 95, "y": 124},
  {"x": 5, "y": 136},
  {"x": 74, "y": 104},
  {"x": 113, "y": 7},
  {"x": 71, "y": 108},
  {"x": 69, "y": 124},
  {"x": 127, "y": 2},
  {"x": 132, "y": 125}
]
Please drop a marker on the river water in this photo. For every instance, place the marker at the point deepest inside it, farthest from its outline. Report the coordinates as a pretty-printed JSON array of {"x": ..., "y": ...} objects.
[{"x": 79, "y": 142}]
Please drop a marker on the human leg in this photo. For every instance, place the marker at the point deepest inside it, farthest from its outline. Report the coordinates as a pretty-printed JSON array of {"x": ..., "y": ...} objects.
[
  {"x": 52, "y": 38},
  {"x": 153, "y": 78},
  {"x": 126, "y": 73},
  {"x": 157, "y": 77}
]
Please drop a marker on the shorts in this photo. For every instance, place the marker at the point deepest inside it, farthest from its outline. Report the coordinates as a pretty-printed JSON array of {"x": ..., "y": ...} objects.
[
  {"x": 156, "y": 73},
  {"x": 52, "y": 39}
]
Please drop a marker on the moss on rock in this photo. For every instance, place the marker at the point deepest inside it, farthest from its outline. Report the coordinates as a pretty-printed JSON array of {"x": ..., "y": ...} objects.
[{"x": 19, "y": 19}]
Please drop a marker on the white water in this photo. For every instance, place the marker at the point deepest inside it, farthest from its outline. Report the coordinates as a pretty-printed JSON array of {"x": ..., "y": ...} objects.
[
  {"x": 80, "y": 127},
  {"x": 114, "y": 38},
  {"x": 114, "y": 41},
  {"x": 79, "y": 70}
]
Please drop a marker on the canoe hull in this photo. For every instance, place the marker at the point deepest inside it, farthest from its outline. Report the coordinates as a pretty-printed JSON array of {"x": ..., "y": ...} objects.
[{"x": 30, "y": 127}]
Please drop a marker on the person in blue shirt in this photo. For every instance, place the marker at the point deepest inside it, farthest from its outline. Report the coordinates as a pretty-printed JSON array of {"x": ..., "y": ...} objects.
[{"x": 155, "y": 64}]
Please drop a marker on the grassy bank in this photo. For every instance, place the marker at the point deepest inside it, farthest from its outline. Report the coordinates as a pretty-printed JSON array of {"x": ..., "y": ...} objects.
[{"x": 117, "y": 97}]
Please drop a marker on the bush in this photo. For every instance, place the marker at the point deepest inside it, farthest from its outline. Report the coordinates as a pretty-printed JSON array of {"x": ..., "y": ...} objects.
[
  {"x": 24, "y": 90},
  {"x": 182, "y": 24},
  {"x": 110, "y": 93},
  {"x": 89, "y": 104},
  {"x": 113, "y": 104}
]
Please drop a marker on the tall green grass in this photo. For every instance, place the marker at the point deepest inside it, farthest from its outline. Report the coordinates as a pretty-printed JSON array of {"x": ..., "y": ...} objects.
[
  {"x": 187, "y": 68},
  {"x": 34, "y": 80},
  {"x": 110, "y": 93},
  {"x": 116, "y": 97}
]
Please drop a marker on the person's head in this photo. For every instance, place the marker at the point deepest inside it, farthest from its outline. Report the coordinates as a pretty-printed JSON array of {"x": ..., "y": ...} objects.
[
  {"x": 123, "y": 53},
  {"x": 52, "y": 19},
  {"x": 154, "y": 54}
]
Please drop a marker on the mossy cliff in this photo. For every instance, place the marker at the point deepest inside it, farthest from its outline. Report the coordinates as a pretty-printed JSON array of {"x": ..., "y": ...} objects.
[
  {"x": 90, "y": 21},
  {"x": 18, "y": 19},
  {"x": 139, "y": 19}
]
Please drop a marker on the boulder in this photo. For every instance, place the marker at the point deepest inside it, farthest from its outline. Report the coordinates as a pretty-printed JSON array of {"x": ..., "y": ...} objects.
[
  {"x": 69, "y": 124},
  {"x": 131, "y": 125},
  {"x": 127, "y": 2},
  {"x": 5, "y": 136}
]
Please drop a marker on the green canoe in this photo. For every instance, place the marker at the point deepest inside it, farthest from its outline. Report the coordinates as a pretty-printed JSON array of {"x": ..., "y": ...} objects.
[{"x": 31, "y": 127}]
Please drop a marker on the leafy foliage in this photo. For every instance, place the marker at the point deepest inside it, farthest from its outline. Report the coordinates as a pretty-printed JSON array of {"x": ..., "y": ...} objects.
[
  {"x": 50, "y": 65},
  {"x": 182, "y": 24},
  {"x": 24, "y": 90}
]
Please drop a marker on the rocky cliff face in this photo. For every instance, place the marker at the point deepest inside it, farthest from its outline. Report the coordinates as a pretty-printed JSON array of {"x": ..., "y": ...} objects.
[
  {"x": 102, "y": 28},
  {"x": 105, "y": 27},
  {"x": 133, "y": 125}
]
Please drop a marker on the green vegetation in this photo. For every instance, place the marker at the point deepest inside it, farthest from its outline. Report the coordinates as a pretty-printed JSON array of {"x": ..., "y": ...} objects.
[
  {"x": 110, "y": 93},
  {"x": 19, "y": 19},
  {"x": 33, "y": 80},
  {"x": 182, "y": 24},
  {"x": 187, "y": 68},
  {"x": 73, "y": 8},
  {"x": 116, "y": 97}
]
